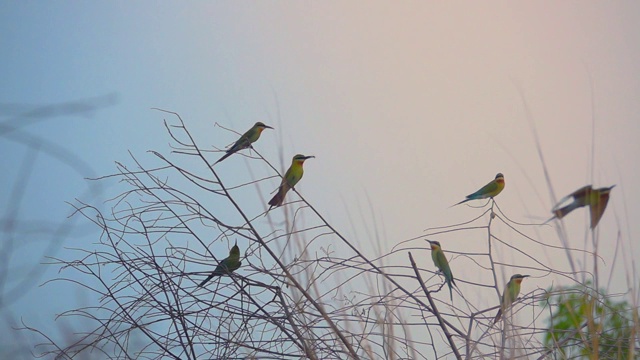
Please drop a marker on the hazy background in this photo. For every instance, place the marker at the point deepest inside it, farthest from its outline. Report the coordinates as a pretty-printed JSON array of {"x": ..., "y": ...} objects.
[{"x": 408, "y": 106}]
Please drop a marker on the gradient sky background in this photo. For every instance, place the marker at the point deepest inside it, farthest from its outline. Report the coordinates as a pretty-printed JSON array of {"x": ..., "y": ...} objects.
[{"x": 409, "y": 104}]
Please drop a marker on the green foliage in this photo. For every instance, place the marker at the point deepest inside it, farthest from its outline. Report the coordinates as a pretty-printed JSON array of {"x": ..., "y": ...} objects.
[{"x": 586, "y": 324}]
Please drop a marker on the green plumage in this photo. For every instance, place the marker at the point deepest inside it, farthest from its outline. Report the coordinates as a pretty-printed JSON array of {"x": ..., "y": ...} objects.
[
  {"x": 245, "y": 141},
  {"x": 290, "y": 179},
  {"x": 226, "y": 266},
  {"x": 510, "y": 294},
  {"x": 440, "y": 261},
  {"x": 493, "y": 188},
  {"x": 596, "y": 199}
]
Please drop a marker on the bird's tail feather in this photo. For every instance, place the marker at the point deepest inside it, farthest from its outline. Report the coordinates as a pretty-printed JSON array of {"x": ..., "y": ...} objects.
[
  {"x": 229, "y": 153},
  {"x": 207, "y": 279},
  {"x": 278, "y": 198},
  {"x": 461, "y": 202},
  {"x": 562, "y": 212},
  {"x": 498, "y": 315}
]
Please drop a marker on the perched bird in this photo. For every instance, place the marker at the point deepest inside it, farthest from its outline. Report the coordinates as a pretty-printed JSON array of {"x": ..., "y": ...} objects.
[
  {"x": 245, "y": 141},
  {"x": 490, "y": 190},
  {"x": 226, "y": 266},
  {"x": 290, "y": 179},
  {"x": 597, "y": 200},
  {"x": 442, "y": 264},
  {"x": 511, "y": 291}
]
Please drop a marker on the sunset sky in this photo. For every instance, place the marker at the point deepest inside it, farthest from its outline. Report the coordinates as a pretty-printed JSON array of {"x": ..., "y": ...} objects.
[{"x": 407, "y": 106}]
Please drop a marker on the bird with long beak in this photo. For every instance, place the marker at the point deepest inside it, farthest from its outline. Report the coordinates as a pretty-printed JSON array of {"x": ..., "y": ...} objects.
[
  {"x": 290, "y": 179},
  {"x": 493, "y": 188},
  {"x": 440, "y": 261},
  {"x": 245, "y": 141},
  {"x": 510, "y": 294},
  {"x": 596, "y": 199},
  {"x": 228, "y": 265}
]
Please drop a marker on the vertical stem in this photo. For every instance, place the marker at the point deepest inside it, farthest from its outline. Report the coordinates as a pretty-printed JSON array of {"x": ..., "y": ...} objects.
[{"x": 435, "y": 310}]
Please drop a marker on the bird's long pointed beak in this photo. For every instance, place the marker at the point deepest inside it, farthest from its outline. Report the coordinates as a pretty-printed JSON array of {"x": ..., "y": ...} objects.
[
  {"x": 268, "y": 127},
  {"x": 309, "y": 157}
]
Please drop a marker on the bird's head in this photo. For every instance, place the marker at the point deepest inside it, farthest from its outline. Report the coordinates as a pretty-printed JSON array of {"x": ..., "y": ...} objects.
[
  {"x": 607, "y": 189},
  {"x": 435, "y": 245},
  {"x": 299, "y": 158},
  {"x": 235, "y": 251},
  {"x": 517, "y": 278},
  {"x": 500, "y": 177},
  {"x": 261, "y": 126}
]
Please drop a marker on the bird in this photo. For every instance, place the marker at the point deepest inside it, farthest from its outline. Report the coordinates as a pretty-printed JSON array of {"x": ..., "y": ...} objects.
[
  {"x": 596, "y": 199},
  {"x": 442, "y": 264},
  {"x": 493, "y": 188},
  {"x": 510, "y": 294},
  {"x": 290, "y": 179},
  {"x": 226, "y": 266},
  {"x": 245, "y": 141}
]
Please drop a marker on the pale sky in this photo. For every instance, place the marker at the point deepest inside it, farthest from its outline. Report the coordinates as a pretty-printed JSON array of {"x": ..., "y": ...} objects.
[{"x": 412, "y": 105}]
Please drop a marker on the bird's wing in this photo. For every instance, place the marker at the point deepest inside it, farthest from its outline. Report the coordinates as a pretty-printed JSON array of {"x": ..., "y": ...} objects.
[
  {"x": 242, "y": 143},
  {"x": 292, "y": 177},
  {"x": 580, "y": 193},
  {"x": 489, "y": 188},
  {"x": 583, "y": 191},
  {"x": 597, "y": 210},
  {"x": 441, "y": 260}
]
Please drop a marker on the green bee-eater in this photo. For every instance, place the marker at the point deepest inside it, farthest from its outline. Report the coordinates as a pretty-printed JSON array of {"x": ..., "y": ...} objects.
[
  {"x": 511, "y": 292},
  {"x": 596, "y": 199},
  {"x": 493, "y": 188},
  {"x": 245, "y": 141},
  {"x": 442, "y": 264},
  {"x": 226, "y": 266},
  {"x": 290, "y": 179}
]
